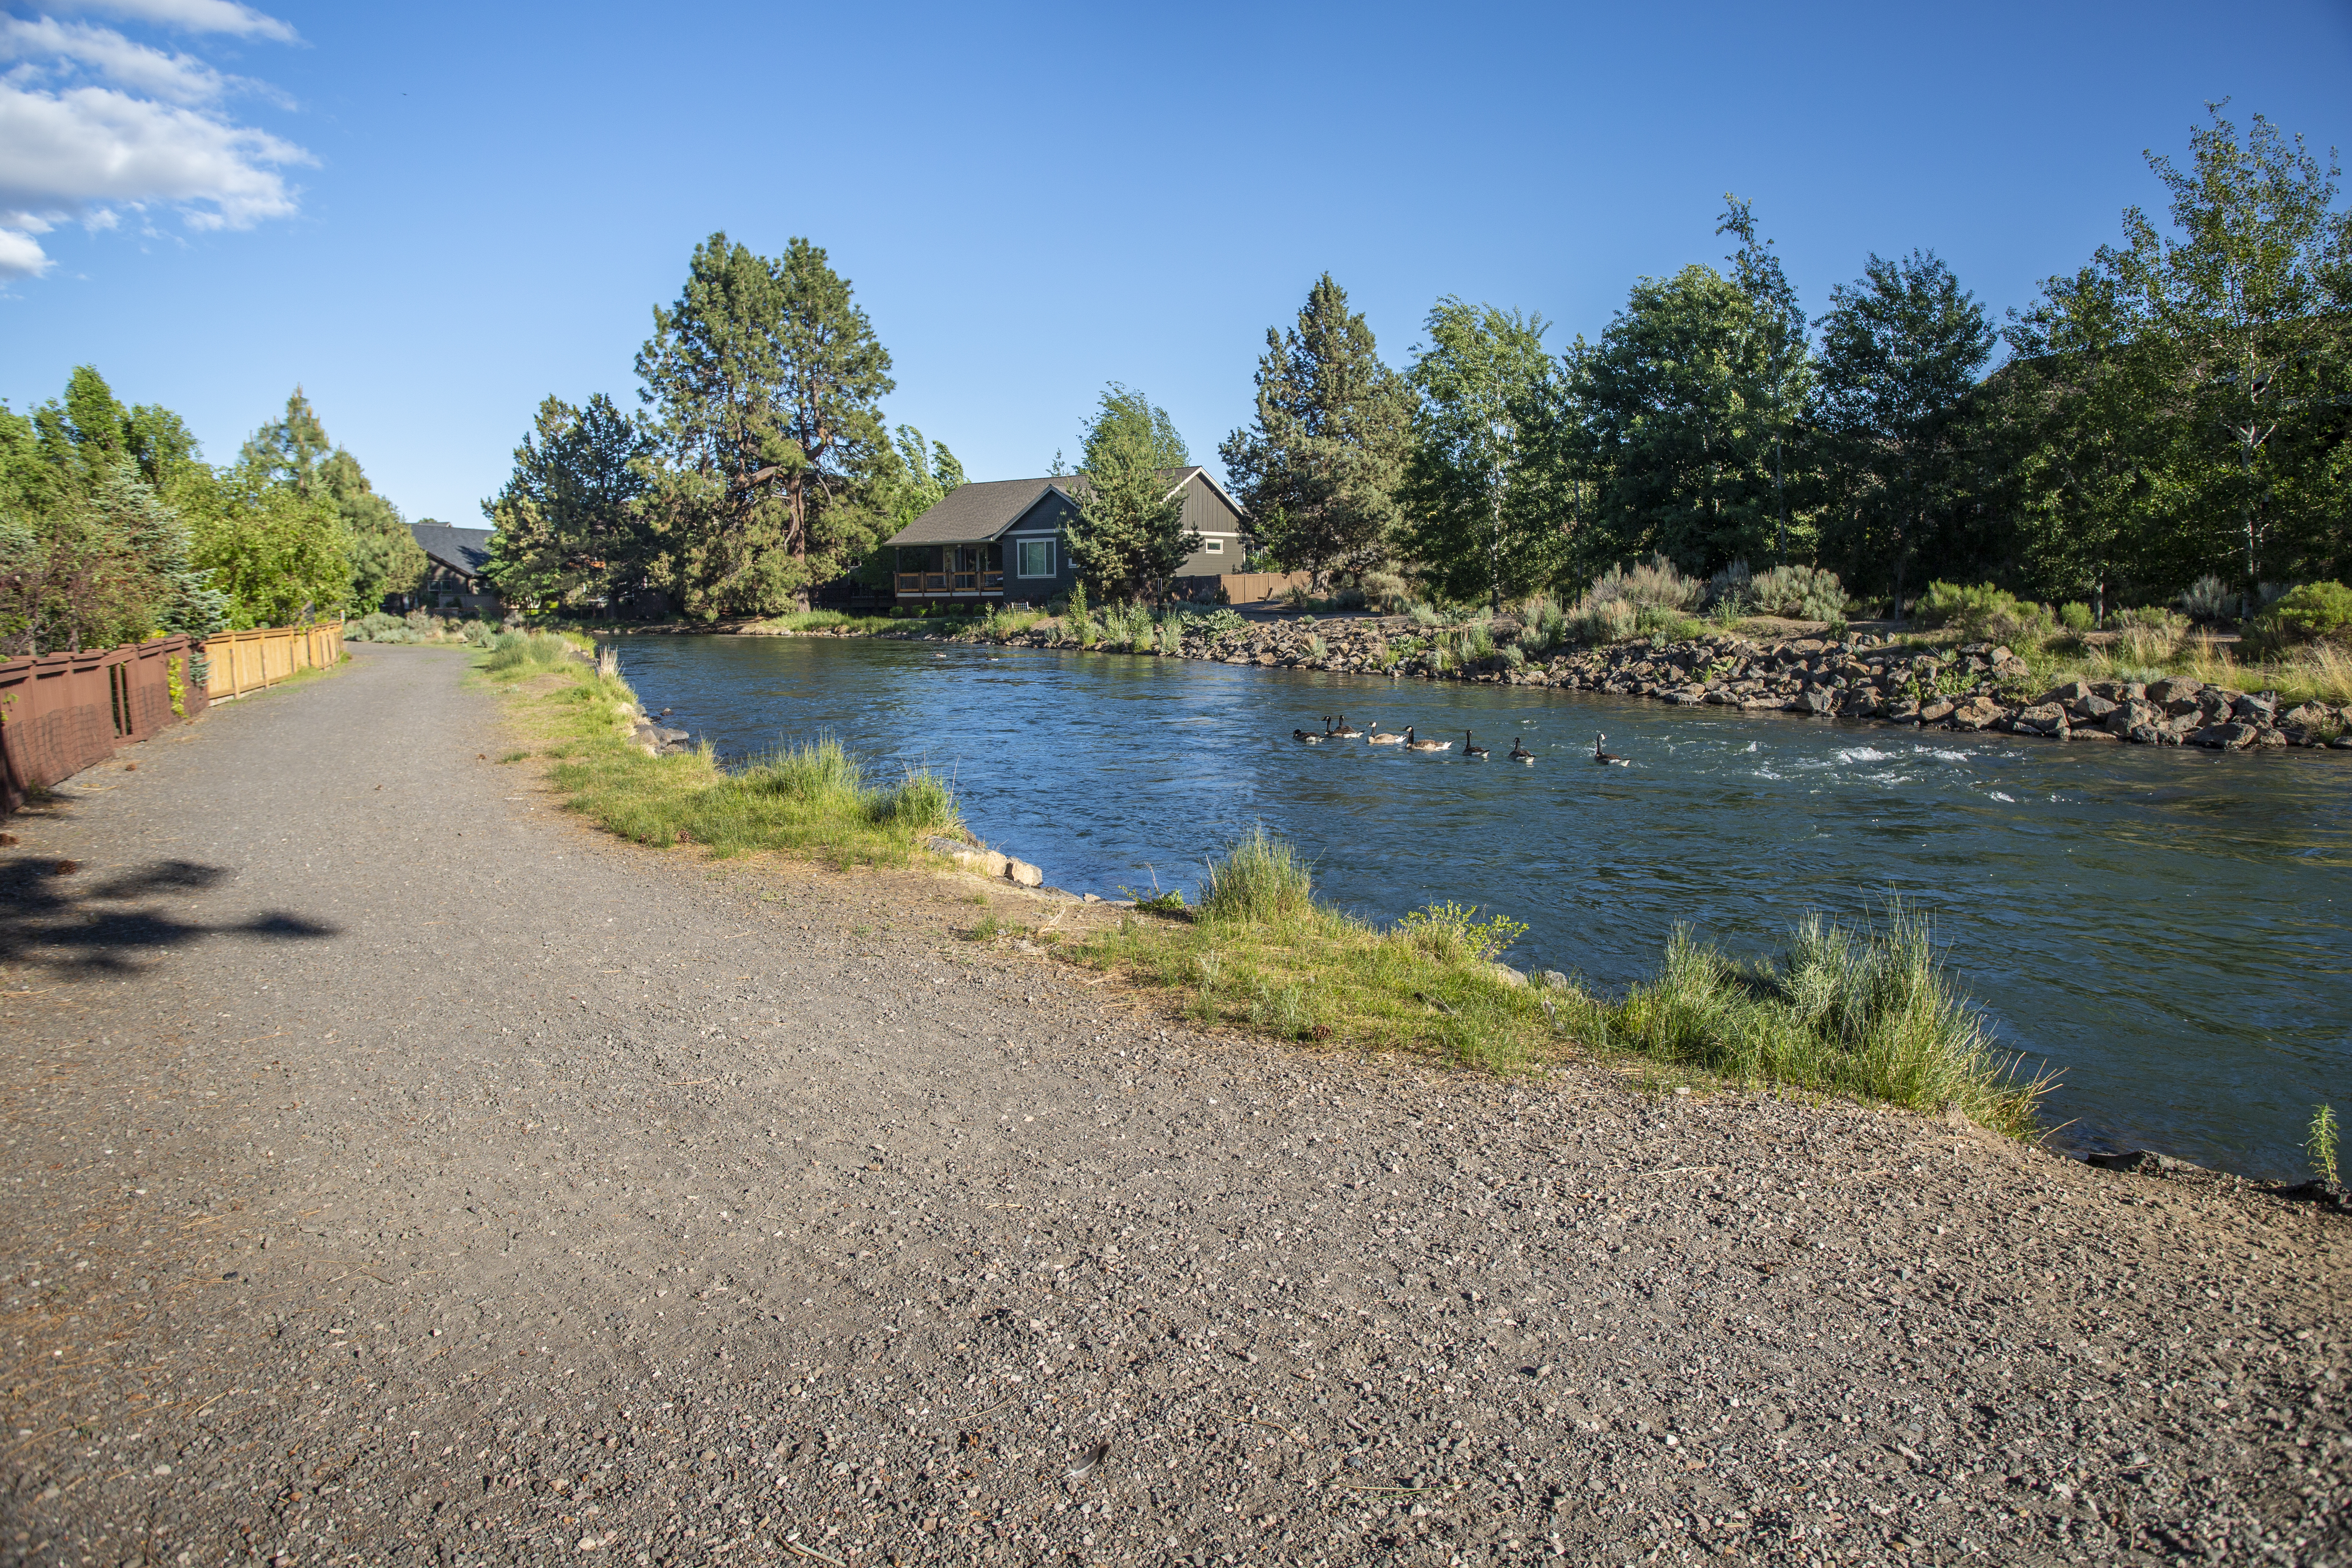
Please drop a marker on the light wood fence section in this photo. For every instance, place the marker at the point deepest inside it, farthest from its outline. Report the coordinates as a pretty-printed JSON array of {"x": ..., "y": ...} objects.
[{"x": 250, "y": 660}]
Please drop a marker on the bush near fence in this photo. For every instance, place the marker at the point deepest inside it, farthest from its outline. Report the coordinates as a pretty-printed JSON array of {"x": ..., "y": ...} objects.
[{"x": 63, "y": 712}]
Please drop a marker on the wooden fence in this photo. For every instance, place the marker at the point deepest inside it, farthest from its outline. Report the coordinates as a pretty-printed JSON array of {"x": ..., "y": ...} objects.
[
  {"x": 1240, "y": 588},
  {"x": 63, "y": 712},
  {"x": 248, "y": 661}
]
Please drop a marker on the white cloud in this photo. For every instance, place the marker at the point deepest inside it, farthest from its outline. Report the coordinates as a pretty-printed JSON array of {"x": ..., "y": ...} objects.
[
  {"x": 91, "y": 121},
  {"x": 21, "y": 255},
  {"x": 179, "y": 79},
  {"x": 189, "y": 16},
  {"x": 91, "y": 145}
]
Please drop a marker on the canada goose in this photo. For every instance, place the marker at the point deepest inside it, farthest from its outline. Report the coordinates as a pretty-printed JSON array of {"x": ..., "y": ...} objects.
[
  {"x": 1346, "y": 731},
  {"x": 1412, "y": 745},
  {"x": 1470, "y": 748},
  {"x": 1308, "y": 736},
  {"x": 1380, "y": 737},
  {"x": 1520, "y": 753},
  {"x": 1604, "y": 758}
]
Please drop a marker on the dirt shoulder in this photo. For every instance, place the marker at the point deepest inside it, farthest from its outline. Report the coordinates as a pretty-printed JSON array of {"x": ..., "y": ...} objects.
[{"x": 401, "y": 1171}]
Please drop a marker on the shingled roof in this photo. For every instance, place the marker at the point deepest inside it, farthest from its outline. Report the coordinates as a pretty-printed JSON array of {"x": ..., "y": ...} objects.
[
  {"x": 976, "y": 513},
  {"x": 464, "y": 549}
]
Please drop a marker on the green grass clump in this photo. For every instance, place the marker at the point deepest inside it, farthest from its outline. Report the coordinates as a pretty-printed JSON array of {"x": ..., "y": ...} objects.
[
  {"x": 2319, "y": 1142},
  {"x": 1261, "y": 879},
  {"x": 811, "y": 799},
  {"x": 527, "y": 653},
  {"x": 1868, "y": 1013},
  {"x": 826, "y": 620}
]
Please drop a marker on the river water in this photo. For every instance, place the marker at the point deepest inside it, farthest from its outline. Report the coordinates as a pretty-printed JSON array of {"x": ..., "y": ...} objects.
[{"x": 2165, "y": 928}]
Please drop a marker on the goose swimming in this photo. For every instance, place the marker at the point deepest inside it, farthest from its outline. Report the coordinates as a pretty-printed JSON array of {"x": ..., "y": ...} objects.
[
  {"x": 1470, "y": 748},
  {"x": 1412, "y": 745},
  {"x": 1606, "y": 759},
  {"x": 1520, "y": 753},
  {"x": 1380, "y": 737},
  {"x": 1345, "y": 731}
]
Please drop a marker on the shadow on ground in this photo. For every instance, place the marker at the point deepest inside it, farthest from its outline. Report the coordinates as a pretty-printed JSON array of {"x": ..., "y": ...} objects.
[{"x": 51, "y": 914}]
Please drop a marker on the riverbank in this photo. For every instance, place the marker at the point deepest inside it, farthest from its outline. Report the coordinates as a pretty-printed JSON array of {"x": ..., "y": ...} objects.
[{"x": 546, "y": 1189}]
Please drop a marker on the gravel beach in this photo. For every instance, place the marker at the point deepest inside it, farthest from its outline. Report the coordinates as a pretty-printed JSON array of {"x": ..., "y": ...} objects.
[{"x": 401, "y": 1171}]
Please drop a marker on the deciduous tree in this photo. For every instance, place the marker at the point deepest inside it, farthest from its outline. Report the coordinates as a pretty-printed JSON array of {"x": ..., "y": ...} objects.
[
  {"x": 1900, "y": 348},
  {"x": 1485, "y": 390}
]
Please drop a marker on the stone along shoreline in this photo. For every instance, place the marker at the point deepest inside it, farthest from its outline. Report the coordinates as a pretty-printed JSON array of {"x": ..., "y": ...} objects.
[{"x": 1974, "y": 686}]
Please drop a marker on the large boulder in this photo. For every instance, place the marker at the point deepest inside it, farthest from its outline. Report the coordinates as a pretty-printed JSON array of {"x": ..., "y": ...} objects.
[
  {"x": 2232, "y": 736},
  {"x": 1977, "y": 714},
  {"x": 2165, "y": 692},
  {"x": 2042, "y": 718}
]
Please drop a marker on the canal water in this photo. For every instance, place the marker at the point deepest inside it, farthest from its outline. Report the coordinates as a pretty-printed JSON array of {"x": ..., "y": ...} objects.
[{"x": 2164, "y": 928}]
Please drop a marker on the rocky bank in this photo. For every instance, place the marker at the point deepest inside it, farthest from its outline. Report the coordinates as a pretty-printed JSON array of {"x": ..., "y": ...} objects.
[{"x": 1978, "y": 686}]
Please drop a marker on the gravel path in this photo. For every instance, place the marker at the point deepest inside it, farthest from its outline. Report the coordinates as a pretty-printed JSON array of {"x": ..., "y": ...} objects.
[{"x": 401, "y": 1172}]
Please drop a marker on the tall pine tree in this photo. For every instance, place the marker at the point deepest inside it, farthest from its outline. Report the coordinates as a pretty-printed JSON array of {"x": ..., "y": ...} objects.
[{"x": 1320, "y": 468}]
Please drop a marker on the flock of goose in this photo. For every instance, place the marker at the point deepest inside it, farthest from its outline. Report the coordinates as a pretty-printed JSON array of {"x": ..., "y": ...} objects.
[{"x": 1339, "y": 729}]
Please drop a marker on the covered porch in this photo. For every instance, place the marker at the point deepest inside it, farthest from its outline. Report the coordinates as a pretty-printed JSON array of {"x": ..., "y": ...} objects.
[{"x": 949, "y": 572}]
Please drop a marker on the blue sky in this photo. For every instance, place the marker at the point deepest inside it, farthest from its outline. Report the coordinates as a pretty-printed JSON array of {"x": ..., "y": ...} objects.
[{"x": 431, "y": 215}]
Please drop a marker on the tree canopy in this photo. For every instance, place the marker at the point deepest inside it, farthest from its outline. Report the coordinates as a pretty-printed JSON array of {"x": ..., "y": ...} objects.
[
  {"x": 1320, "y": 468},
  {"x": 1129, "y": 535}
]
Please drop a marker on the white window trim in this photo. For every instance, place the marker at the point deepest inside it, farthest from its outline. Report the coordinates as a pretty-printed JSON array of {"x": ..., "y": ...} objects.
[
  {"x": 1020, "y": 558},
  {"x": 1213, "y": 547}
]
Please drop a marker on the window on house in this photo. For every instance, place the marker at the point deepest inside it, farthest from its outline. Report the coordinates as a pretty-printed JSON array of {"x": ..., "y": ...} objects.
[
  {"x": 1036, "y": 558},
  {"x": 1214, "y": 546}
]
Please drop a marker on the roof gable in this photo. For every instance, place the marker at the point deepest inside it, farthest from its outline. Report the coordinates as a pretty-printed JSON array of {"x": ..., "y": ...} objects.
[
  {"x": 465, "y": 550},
  {"x": 978, "y": 512}
]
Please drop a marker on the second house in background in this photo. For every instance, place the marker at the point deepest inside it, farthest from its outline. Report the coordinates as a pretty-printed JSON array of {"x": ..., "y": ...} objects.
[{"x": 1000, "y": 541}]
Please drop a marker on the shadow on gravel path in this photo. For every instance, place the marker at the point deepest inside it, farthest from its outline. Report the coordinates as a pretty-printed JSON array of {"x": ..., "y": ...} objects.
[
  {"x": 60, "y": 921},
  {"x": 539, "y": 1197}
]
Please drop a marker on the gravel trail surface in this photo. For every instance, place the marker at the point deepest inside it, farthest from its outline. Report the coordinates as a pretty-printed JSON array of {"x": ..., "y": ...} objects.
[{"x": 400, "y": 1171}]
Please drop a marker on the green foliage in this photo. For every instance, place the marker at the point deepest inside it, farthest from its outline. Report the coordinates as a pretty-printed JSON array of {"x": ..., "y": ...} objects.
[
  {"x": 568, "y": 524},
  {"x": 1129, "y": 536},
  {"x": 2077, "y": 617},
  {"x": 1985, "y": 612},
  {"x": 1452, "y": 932},
  {"x": 2316, "y": 612},
  {"x": 96, "y": 547},
  {"x": 1260, "y": 880},
  {"x": 1487, "y": 393},
  {"x": 766, "y": 379},
  {"x": 280, "y": 553},
  {"x": 1870, "y": 1015},
  {"x": 527, "y": 653},
  {"x": 1654, "y": 583},
  {"x": 1900, "y": 349},
  {"x": 1319, "y": 468},
  {"x": 1603, "y": 621},
  {"x": 1799, "y": 592},
  {"x": 2319, "y": 1142}
]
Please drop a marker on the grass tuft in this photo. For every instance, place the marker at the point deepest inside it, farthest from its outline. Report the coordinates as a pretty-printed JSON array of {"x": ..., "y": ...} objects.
[
  {"x": 1869, "y": 1014},
  {"x": 1260, "y": 880}
]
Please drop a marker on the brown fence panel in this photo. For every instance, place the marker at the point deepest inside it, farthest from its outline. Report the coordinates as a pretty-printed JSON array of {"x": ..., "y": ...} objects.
[
  {"x": 249, "y": 660},
  {"x": 64, "y": 712}
]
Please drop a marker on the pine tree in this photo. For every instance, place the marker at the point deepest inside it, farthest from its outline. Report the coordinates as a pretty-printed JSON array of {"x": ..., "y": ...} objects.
[
  {"x": 766, "y": 379},
  {"x": 1319, "y": 469},
  {"x": 568, "y": 525},
  {"x": 1129, "y": 535}
]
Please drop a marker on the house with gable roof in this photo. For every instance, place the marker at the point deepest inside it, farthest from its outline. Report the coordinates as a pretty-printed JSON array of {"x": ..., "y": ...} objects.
[{"x": 1000, "y": 541}]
